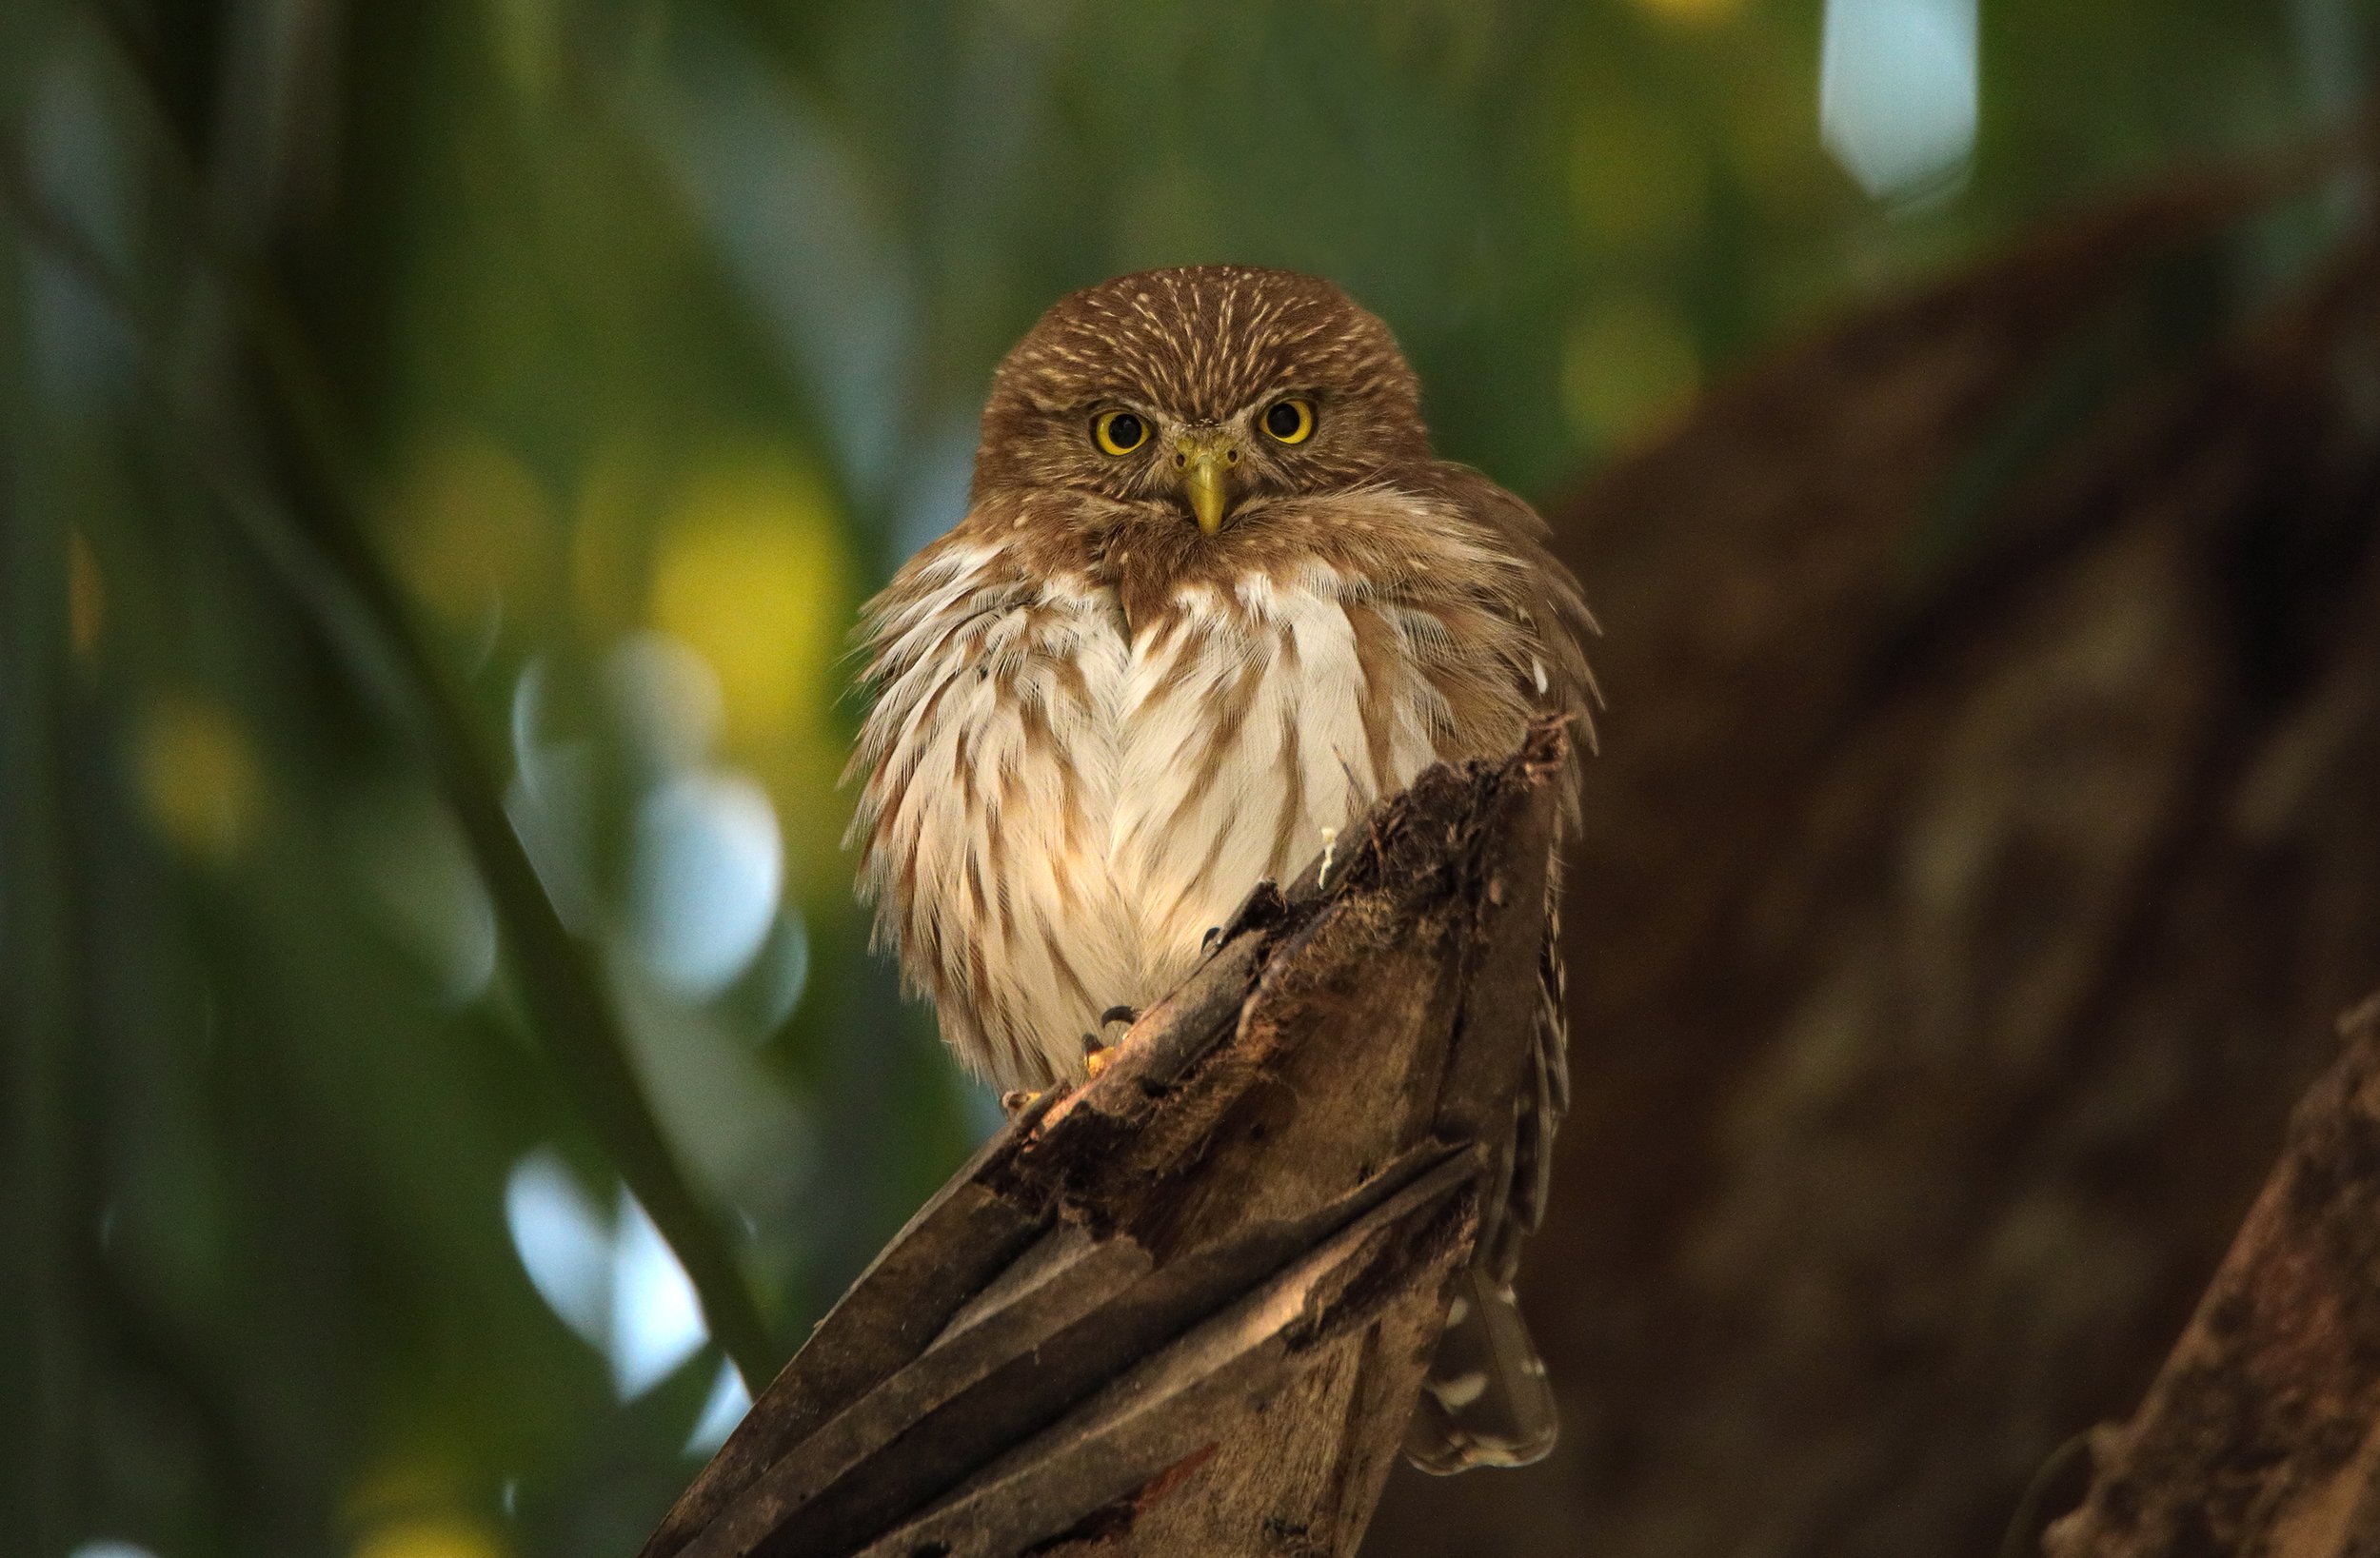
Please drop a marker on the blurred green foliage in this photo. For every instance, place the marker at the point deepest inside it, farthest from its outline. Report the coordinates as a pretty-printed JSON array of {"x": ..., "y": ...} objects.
[{"x": 443, "y": 444}]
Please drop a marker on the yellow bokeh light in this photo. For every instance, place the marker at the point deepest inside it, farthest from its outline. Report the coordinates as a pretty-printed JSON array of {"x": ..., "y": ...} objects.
[
  {"x": 752, "y": 573},
  {"x": 472, "y": 526},
  {"x": 197, "y": 776},
  {"x": 1628, "y": 366},
  {"x": 430, "y": 1536},
  {"x": 415, "y": 1507}
]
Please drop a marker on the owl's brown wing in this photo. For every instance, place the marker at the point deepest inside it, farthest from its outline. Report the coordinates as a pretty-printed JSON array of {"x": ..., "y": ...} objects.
[
  {"x": 1486, "y": 1400},
  {"x": 1544, "y": 1097}
]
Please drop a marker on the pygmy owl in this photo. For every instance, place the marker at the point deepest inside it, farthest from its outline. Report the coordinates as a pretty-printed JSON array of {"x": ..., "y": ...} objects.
[{"x": 1212, "y": 597}]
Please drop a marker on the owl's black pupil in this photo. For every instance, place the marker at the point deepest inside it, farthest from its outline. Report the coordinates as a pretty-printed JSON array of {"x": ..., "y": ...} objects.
[
  {"x": 1124, "y": 430},
  {"x": 1283, "y": 421}
]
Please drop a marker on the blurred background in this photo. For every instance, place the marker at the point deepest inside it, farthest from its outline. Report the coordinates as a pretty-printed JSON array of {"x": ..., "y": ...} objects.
[{"x": 443, "y": 445}]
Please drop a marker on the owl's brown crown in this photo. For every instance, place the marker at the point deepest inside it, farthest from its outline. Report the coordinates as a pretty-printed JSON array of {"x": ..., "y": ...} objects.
[{"x": 1202, "y": 341}]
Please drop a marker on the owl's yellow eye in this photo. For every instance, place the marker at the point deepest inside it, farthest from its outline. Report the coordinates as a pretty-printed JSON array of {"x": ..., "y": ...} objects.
[
  {"x": 1120, "y": 432},
  {"x": 1290, "y": 421}
]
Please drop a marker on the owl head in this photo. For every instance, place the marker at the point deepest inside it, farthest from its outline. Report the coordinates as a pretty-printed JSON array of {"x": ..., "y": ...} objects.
[{"x": 1200, "y": 389}]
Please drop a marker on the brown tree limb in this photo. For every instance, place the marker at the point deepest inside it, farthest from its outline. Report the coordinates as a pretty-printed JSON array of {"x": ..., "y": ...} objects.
[
  {"x": 2262, "y": 1434},
  {"x": 1186, "y": 1308}
]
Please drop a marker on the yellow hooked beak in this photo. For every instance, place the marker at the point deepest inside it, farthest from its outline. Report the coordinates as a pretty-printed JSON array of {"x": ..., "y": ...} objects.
[{"x": 1203, "y": 460}]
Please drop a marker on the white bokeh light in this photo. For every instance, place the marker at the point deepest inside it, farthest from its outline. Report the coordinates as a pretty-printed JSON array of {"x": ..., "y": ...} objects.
[
  {"x": 708, "y": 868},
  {"x": 614, "y": 1280},
  {"x": 729, "y": 1400},
  {"x": 656, "y": 1320},
  {"x": 565, "y": 1242},
  {"x": 1900, "y": 92}
]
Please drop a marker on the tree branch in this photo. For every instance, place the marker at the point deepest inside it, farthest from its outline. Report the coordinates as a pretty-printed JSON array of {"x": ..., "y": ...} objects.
[
  {"x": 2262, "y": 1432},
  {"x": 1186, "y": 1308}
]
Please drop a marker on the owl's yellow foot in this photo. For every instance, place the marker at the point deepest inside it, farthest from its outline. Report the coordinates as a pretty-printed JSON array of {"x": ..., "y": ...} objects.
[{"x": 1097, "y": 1053}]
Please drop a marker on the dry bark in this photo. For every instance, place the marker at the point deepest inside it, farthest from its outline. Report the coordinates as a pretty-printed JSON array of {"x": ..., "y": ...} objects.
[
  {"x": 2261, "y": 1436},
  {"x": 1187, "y": 1308}
]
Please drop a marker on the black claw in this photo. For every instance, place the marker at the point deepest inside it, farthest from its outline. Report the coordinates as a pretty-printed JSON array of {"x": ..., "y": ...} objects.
[
  {"x": 1119, "y": 1013},
  {"x": 1092, "y": 1044}
]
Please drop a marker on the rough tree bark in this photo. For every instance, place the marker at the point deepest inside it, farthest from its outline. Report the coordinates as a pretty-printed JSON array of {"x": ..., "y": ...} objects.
[
  {"x": 1186, "y": 1309},
  {"x": 2262, "y": 1434}
]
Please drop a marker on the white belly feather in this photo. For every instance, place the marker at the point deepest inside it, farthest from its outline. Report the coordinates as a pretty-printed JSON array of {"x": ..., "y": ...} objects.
[
  {"x": 1229, "y": 740},
  {"x": 1242, "y": 744},
  {"x": 1082, "y": 810}
]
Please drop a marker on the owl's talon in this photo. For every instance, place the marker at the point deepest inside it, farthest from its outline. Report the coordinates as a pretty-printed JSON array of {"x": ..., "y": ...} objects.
[{"x": 1124, "y": 1015}]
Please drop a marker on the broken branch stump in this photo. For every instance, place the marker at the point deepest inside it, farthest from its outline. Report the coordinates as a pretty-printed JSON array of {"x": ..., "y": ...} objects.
[
  {"x": 1187, "y": 1307},
  {"x": 2261, "y": 1435}
]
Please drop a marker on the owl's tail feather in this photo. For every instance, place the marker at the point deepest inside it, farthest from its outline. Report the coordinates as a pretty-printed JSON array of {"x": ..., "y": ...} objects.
[{"x": 1486, "y": 1401}]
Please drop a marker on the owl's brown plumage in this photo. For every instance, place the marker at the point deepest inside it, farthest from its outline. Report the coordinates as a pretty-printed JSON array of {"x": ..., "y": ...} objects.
[{"x": 1212, "y": 597}]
